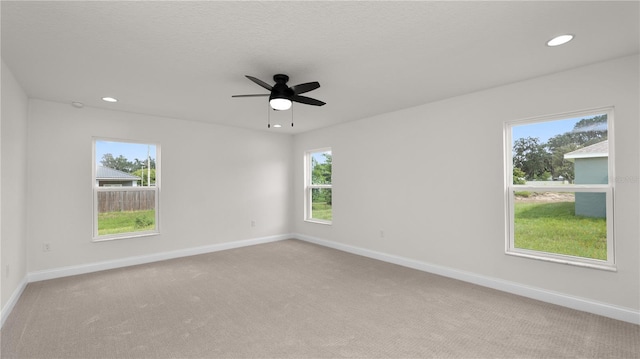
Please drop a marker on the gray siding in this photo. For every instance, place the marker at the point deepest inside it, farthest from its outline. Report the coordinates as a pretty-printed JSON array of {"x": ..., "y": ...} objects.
[{"x": 591, "y": 171}]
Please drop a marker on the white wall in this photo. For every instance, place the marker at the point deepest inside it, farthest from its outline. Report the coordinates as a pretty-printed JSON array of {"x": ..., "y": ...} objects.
[
  {"x": 215, "y": 180},
  {"x": 408, "y": 173},
  {"x": 432, "y": 178},
  {"x": 13, "y": 185}
]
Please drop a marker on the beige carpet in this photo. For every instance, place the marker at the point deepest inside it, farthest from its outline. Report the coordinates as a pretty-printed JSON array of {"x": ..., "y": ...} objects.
[{"x": 292, "y": 299}]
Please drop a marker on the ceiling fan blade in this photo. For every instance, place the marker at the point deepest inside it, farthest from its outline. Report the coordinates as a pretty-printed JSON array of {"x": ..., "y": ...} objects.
[
  {"x": 306, "y": 87},
  {"x": 260, "y": 82},
  {"x": 307, "y": 100},
  {"x": 254, "y": 95}
]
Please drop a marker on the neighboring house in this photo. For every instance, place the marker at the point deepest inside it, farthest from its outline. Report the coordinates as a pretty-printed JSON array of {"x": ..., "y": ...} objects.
[
  {"x": 108, "y": 177},
  {"x": 591, "y": 167}
]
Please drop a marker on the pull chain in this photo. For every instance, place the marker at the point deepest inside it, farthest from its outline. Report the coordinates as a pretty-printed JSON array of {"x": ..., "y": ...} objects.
[{"x": 269, "y": 115}]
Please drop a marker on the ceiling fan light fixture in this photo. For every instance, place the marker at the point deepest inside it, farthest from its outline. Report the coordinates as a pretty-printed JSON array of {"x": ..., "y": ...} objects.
[{"x": 280, "y": 104}]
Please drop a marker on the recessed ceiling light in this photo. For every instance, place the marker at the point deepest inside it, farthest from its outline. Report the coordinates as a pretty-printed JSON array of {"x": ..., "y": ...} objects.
[
  {"x": 277, "y": 126},
  {"x": 77, "y": 104},
  {"x": 109, "y": 99},
  {"x": 560, "y": 40}
]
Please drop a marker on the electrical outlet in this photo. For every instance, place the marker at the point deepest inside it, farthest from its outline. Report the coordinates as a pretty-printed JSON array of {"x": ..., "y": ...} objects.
[
  {"x": 46, "y": 247},
  {"x": 381, "y": 234},
  {"x": 253, "y": 223}
]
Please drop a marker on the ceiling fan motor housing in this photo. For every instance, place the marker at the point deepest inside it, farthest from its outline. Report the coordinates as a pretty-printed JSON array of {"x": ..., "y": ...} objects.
[
  {"x": 280, "y": 89},
  {"x": 280, "y": 78}
]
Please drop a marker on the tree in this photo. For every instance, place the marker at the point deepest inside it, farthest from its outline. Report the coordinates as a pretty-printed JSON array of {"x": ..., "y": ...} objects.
[
  {"x": 540, "y": 160},
  {"x": 590, "y": 130},
  {"x": 321, "y": 174},
  {"x": 530, "y": 156},
  {"x": 119, "y": 163},
  {"x": 561, "y": 166},
  {"x": 585, "y": 132},
  {"x": 138, "y": 164},
  {"x": 142, "y": 173},
  {"x": 518, "y": 176}
]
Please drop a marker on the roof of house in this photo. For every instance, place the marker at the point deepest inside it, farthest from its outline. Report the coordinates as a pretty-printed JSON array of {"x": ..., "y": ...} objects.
[
  {"x": 600, "y": 149},
  {"x": 106, "y": 173}
]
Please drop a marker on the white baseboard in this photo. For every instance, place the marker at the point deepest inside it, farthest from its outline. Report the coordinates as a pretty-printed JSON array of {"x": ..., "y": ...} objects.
[
  {"x": 155, "y": 257},
  {"x": 581, "y": 304},
  {"x": 4, "y": 313}
]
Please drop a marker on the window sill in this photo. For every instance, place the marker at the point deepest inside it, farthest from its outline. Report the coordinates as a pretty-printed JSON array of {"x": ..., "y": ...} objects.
[
  {"x": 567, "y": 260},
  {"x": 318, "y": 221},
  {"x": 124, "y": 236}
]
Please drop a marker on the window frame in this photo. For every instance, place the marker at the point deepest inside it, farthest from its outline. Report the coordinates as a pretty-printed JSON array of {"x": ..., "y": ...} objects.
[
  {"x": 509, "y": 194},
  {"x": 97, "y": 189},
  {"x": 309, "y": 187}
]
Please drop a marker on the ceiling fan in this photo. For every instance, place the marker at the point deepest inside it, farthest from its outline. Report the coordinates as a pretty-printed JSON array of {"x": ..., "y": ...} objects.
[{"x": 281, "y": 96}]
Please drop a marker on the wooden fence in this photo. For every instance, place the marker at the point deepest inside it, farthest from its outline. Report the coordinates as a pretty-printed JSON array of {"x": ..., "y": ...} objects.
[{"x": 117, "y": 201}]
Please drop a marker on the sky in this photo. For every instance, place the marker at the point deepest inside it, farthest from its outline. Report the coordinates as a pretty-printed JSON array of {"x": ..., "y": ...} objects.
[
  {"x": 319, "y": 157},
  {"x": 129, "y": 150},
  {"x": 544, "y": 130}
]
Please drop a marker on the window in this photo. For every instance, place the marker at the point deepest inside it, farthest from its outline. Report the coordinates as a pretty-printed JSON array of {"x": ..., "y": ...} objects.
[
  {"x": 318, "y": 196},
  {"x": 126, "y": 185},
  {"x": 559, "y": 193}
]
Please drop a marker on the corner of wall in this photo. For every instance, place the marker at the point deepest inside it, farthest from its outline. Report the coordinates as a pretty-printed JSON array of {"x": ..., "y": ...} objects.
[{"x": 13, "y": 179}]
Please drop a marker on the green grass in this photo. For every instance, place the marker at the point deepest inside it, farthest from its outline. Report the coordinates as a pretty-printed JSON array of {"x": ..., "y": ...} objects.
[
  {"x": 321, "y": 210},
  {"x": 125, "y": 222},
  {"x": 554, "y": 228}
]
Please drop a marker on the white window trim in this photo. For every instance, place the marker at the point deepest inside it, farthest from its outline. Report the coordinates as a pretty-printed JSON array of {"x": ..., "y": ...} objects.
[
  {"x": 308, "y": 187},
  {"x": 510, "y": 189},
  {"x": 97, "y": 238}
]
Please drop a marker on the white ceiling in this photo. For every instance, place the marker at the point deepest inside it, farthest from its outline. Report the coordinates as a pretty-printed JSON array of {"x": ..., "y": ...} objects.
[{"x": 185, "y": 59}]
